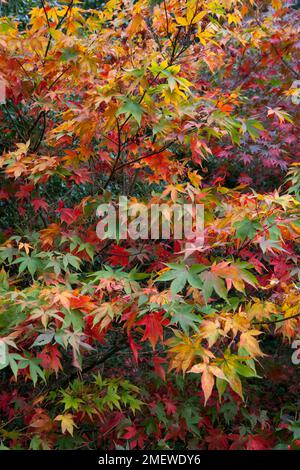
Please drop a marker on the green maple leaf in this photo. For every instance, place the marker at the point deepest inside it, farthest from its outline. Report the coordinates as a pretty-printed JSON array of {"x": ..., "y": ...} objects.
[
  {"x": 185, "y": 318},
  {"x": 246, "y": 228},
  {"x": 211, "y": 283},
  {"x": 131, "y": 108}
]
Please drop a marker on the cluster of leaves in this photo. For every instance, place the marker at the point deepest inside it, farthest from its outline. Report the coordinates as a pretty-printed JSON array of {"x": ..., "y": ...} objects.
[{"x": 103, "y": 340}]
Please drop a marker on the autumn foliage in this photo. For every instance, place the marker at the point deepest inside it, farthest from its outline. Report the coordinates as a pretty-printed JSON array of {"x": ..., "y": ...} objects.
[{"x": 143, "y": 344}]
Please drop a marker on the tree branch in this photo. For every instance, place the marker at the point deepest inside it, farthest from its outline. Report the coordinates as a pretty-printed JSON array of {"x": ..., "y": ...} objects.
[
  {"x": 268, "y": 322},
  {"x": 114, "y": 168},
  {"x": 46, "y": 14},
  {"x": 57, "y": 27},
  {"x": 131, "y": 162}
]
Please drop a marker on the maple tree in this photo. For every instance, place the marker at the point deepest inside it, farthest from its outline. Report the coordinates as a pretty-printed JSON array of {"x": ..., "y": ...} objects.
[{"x": 102, "y": 341}]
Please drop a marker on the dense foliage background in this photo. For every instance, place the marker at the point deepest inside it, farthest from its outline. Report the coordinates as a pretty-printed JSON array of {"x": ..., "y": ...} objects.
[{"x": 145, "y": 343}]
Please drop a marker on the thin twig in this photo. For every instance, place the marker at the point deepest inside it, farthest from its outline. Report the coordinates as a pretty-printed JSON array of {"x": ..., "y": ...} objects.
[
  {"x": 38, "y": 143},
  {"x": 269, "y": 322},
  {"x": 46, "y": 14},
  {"x": 57, "y": 27},
  {"x": 148, "y": 155},
  {"x": 119, "y": 153}
]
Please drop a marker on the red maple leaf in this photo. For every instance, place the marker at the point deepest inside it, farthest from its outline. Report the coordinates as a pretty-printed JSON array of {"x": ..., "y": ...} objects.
[
  {"x": 94, "y": 331},
  {"x": 82, "y": 302},
  {"x": 119, "y": 256},
  {"x": 134, "y": 347},
  {"x": 153, "y": 323},
  {"x": 4, "y": 194},
  {"x": 81, "y": 175},
  {"x": 158, "y": 368},
  {"x": 25, "y": 191},
  {"x": 170, "y": 406},
  {"x": 50, "y": 357},
  {"x": 258, "y": 442},
  {"x": 39, "y": 204},
  {"x": 216, "y": 439},
  {"x": 70, "y": 215}
]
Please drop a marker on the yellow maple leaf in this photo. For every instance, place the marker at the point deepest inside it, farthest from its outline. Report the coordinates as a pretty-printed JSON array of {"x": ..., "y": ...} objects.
[
  {"x": 276, "y": 4},
  {"x": 211, "y": 331},
  {"x": 26, "y": 247},
  {"x": 195, "y": 178},
  {"x": 261, "y": 310},
  {"x": 137, "y": 24},
  {"x": 209, "y": 372},
  {"x": 67, "y": 423},
  {"x": 250, "y": 343},
  {"x": 207, "y": 383},
  {"x": 184, "y": 349}
]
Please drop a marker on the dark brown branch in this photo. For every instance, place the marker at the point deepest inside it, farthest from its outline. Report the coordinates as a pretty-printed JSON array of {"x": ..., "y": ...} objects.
[
  {"x": 148, "y": 155},
  {"x": 65, "y": 15},
  {"x": 119, "y": 153},
  {"x": 44, "y": 113},
  {"x": 13, "y": 124},
  {"x": 285, "y": 63},
  {"x": 96, "y": 360},
  {"x": 268, "y": 322},
  {"x": 38, "y": 143},
  {"x": 57, "y": 27},
  {"x": 46, "y": 14},
  {"x": 57, "y": 78},
  {"x": 35, "y": 122},
  {"x": 167, "y": 19}
]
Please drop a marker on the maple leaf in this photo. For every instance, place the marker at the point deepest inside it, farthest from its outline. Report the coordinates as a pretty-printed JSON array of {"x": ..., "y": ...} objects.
[
  {"x": 131, "y": 432},
  {"x": 137, "y": 24},
  {"x": 235, "y": 274},
  {"x": 212, "y": 282},
  {"x": 159, "y": 370},
  {"x": 211, "y": 331},
  {"x": 209, "y": 372},
  {"x": 49, "y": 234},
  {"x": 184, "y": 349},
  {"x": 119, "y": 256},
  {"x": 207, "y": 382},
  {"x": 16, "y": 169},
  {"x": 63, "y": 297},
  {"x": 199, "y": 149},
  {"x": 134, "y": 347},
  {"x": 39, "y": 204},
  {"x": 45, "y": 163},
  {"x": 131, "y": 108},
  {"x": 195, "y": 178},
  {"x": 67, "y": 423},
  {"x": 281, "y": 115},
  {"x": 250, "y": 343},
  {"x": 50, "y": 357},
  {"x": 26, "y": 247},
  {"x": 261, "y": 310},
  {"x": 153, "y": 323},
  {"x": 41, "y": 421},
  {"x": 216, "y": 439},
  {"x": 25, "y": 191},
  {"x": 160, "y": 164},
  {"x": 81, "y": 302},
  {"x": 259, "y": 442},
  {"x": 69, "y": 216},
  {"x": 81, "y": 175},
  {"x": 246, "y": 228},
  {"x": 4, "y": 195},
  {"x": 170, "y": 406}
]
